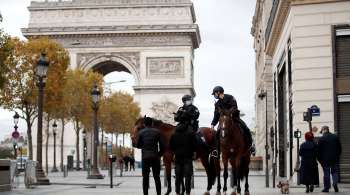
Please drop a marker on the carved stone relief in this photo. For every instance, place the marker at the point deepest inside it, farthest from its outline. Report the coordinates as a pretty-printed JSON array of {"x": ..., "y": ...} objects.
[
  {"x": 133, "y": 58},
  {"x": 165, "y": 67},
  {"x": 164, "y": 111},
  {"x": 126, "y": 41}
]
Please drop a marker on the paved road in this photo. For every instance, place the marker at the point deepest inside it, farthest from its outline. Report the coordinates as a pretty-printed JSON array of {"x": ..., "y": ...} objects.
[{"x": 77, "y": 184}]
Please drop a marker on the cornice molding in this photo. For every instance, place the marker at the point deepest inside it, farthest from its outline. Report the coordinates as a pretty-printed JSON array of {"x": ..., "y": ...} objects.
[
  {"x": 281, "y": 16},
  {"x": 117, "y": 31},
  {"x": 69, "y": 4},
  {"x": 304, "y": 2}
]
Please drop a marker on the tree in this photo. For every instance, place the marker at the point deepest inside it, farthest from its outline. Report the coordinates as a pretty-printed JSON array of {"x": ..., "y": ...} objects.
[
  {"x": 5, "y": 51},
  {"x": 20, "y": 91},
  {"x": 78, "y": 87},
  {"x": 118, "y": 113}
]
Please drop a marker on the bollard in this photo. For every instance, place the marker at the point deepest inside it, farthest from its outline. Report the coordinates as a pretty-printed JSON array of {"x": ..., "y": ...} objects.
[
  {"x": 112, "y": 159},
  {"x": 65, "y": 171},
  {"x": 192, "y": 182},
  {"x": 88, "y": 167},
  {"x": 165, "y": 179}
]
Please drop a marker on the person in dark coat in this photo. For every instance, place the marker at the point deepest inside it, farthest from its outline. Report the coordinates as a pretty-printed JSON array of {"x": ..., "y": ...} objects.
[
  {"x": 151, "y": 143},
  {"x": 182, "y": 143},
  {"x": 308, "y": 167},
  {"x": 132, "y": 163},
  {"x": 329, "y": 154}
]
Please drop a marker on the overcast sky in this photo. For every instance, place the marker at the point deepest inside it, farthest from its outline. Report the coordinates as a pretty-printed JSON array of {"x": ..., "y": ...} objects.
[{"x": 225, "y": 57}]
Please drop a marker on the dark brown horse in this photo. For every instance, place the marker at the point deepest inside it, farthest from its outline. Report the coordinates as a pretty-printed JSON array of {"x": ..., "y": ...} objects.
[
  {"x": 167, "y": 131},
  {"x": 235, "y": 150}
]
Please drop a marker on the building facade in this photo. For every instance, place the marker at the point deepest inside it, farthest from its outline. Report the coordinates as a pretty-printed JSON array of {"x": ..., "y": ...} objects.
[{"x": 302, "y": 59}]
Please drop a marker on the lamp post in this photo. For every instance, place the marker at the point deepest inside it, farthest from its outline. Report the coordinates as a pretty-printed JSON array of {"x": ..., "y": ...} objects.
[
  {"x": 95, "y": 172},
  {"x": 106, "y": 144},
  {"x": 84, "y": 150},
  {"x": 297, "y": 135},
  {"x": 41, "y": 72},
  {"x": 263, "y": 95},
  {"x": 15, "y": 134},
  {"x": 54, "y": 128}
]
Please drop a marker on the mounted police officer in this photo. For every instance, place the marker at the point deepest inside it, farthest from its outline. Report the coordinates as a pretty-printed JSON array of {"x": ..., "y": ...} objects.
[
  {"x": 226, "y": 101},
  {"x": 183, "y": 142},
  {"x": 187, "y": 115}
]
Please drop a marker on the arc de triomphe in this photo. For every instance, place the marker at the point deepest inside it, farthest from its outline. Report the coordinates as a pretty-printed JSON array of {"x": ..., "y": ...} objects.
[{"x": 154, "y": 40}]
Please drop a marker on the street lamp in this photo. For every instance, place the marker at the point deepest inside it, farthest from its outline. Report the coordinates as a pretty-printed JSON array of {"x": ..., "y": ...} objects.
[
  {"x": 297, "y": 135},
  {"x": 15, "y": 134},
  {"x": 96, "y": 95},
  {"x": 106, "y": 160},
  {"x": 263, "y": 95},
  {"x": 54, "y": 128},
  {"x": 84, "y": 150},
  {"x": 41, "y": 72}
]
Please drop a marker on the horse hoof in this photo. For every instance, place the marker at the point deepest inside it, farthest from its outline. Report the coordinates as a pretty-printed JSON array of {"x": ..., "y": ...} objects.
[
  {"x": 206, "y": 193},
  {"x": 233, "y": 193},
  {"x": 218, "y": 193}
]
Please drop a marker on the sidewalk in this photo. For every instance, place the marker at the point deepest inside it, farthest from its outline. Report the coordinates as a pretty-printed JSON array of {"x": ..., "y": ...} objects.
[{"x": 77, "y": 184}]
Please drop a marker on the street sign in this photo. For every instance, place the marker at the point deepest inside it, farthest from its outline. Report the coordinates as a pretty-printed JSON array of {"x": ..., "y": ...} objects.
[
  {"x": 109, "y": 148},
  {"x": 315, "y": 110},
  {"x": 15, "y": 135}
]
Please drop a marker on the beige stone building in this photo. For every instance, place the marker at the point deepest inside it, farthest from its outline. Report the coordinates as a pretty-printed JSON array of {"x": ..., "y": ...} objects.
[{"x": 302, "y": 59}]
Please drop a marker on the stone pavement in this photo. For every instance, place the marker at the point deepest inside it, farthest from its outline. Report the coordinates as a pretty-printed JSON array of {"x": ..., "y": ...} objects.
[{"x": 131, "y": 183}]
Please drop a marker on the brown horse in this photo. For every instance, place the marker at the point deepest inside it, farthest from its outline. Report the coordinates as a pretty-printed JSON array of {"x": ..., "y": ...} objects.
[
  {"x": 167, "y": 131},
  {"x": 235, "y": 150}
]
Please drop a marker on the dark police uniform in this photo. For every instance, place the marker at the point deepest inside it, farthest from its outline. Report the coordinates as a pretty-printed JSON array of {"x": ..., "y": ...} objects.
[
  {"x": 182, "y": 143},
  {"x": 187, "y": 116},
  {"x": 229, "y": 102},
  {"x": 150, "y": 141}
]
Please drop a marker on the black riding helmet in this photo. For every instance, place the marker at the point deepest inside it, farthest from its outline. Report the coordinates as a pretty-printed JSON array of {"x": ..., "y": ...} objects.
[
  {"x": 186, "y": 98},
  {"x": 218, "y": 89}
]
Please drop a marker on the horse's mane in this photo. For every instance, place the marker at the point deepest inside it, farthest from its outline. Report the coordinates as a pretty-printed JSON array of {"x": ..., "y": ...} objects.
[{"x": 157, "y": 122}]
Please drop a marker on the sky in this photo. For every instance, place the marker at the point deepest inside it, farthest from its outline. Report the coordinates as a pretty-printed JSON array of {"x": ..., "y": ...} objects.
[{"x": 225, "y": 57}]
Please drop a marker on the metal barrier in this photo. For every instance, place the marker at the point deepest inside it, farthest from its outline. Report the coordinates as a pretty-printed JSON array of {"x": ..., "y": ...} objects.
[
  {"x": 30, "y": 173},
  {"x": 7, "y": 174}
]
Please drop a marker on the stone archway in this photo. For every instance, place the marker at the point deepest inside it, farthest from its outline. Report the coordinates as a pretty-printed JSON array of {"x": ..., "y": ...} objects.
[
  {"x": 105, "y": 63},
  {"x": 154, "y": 40}
]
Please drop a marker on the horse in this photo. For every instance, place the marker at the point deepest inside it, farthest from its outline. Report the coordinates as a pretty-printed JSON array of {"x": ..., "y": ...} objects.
[
  {"x": 166, "y": 131},
  {"x": 235, "y": 150}
]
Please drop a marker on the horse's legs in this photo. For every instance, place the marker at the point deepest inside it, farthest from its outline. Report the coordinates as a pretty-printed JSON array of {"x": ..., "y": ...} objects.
[
  {"x": 238, "y": 180},
  {"x": 167, "y": 165},
  {"x": 218, "y": 170},
  {"x": 225, "y": 161},
  {"x": 206, "y": 164},
  {"x": 246, "y": 186}
]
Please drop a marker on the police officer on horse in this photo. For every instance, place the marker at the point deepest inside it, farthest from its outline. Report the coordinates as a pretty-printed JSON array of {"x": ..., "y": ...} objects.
[
  {"x": 227, "y": 102},
  {"x": 183, "y": 142}
]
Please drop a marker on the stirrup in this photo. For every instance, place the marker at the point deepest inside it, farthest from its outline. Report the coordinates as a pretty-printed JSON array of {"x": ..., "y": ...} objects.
[{"x": 214, "y": 154}]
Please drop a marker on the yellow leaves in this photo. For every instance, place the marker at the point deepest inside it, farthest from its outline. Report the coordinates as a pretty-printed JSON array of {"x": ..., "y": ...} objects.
[
  {"x": 77, "y": 95},
  {"x": 118, "y": 113}
]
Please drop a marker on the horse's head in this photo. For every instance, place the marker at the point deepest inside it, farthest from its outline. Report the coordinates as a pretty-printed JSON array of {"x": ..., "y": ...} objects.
[
  {"x": 139, "y": 124},
  {"x": 225, "y": 121}
]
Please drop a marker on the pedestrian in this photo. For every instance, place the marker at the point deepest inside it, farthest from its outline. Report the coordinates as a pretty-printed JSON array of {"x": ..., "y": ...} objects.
[
  {"x": 329, "y": 153},
  {"x": 182, "y": 143},
  {"x": 126, "y": 162},
  {"x": 308, "y": 168},
  {"x": 132, "y": 163},
  {"x": 150, "y": 142}
]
